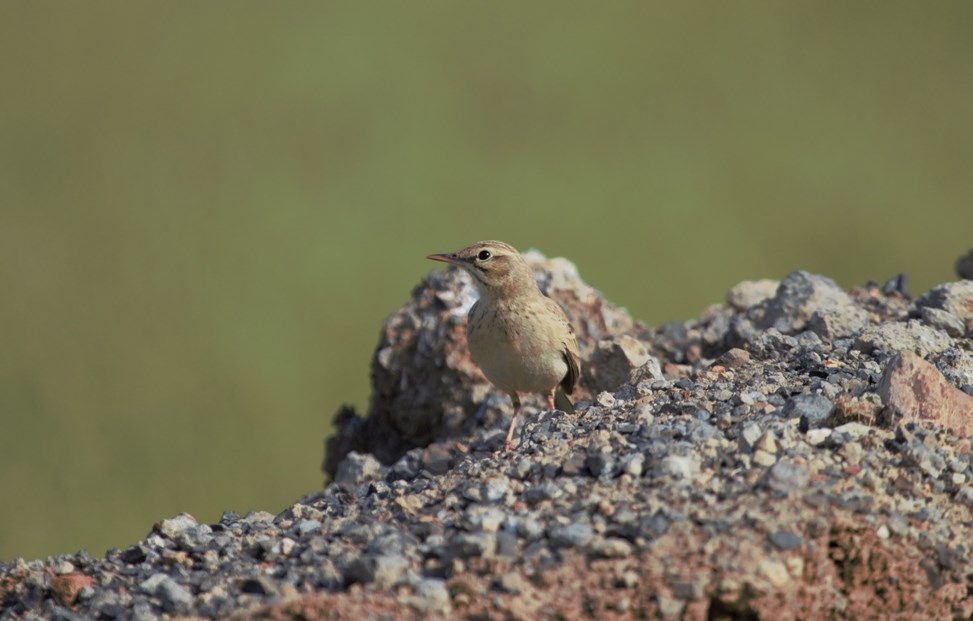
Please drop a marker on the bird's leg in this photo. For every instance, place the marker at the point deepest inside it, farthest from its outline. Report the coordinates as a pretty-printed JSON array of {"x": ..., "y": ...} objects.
[
  {"x": 513, "y": 422},
  {"x": 550, "y": 401}
]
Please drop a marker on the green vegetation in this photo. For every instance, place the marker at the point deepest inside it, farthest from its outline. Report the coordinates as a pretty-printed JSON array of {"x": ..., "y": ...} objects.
[{"x": 206, "y": 209}]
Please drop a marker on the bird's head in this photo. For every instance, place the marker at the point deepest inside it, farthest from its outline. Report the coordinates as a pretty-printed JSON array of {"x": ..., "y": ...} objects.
[{"x": 497, "y": 268}]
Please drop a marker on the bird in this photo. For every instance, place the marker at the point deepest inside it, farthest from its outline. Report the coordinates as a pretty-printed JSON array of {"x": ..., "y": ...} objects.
[{"x": 521, "y": 339}]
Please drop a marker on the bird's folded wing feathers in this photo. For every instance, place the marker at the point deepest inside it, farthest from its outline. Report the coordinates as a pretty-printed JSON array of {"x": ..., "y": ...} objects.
[
  {"x": 571, "y": 353},
  {"x": 573, "y": 358}
]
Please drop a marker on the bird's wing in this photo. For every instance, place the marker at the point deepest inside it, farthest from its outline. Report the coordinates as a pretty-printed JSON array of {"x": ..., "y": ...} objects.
[
  {"x": 573, "y": 357},
  {"x": 571, "y": 353}
]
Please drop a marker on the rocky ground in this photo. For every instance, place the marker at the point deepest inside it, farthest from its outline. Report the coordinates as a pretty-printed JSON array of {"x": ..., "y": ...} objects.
[{"x": 800, "y": 452}]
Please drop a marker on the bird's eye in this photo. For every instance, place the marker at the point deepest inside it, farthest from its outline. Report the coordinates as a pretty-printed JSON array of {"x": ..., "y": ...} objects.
[{"x": 484, "y": 255}]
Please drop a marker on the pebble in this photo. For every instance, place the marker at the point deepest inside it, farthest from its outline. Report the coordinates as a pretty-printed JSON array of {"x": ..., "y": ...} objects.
[
  {"x": 175, "y": 598},
  {"x": 734, "y": 358},
  {"x": 817, "y": 436},
  {"x": 513, "y": 583},
  {"x": 633, "y": 464},
  {"x": 764, "y": 458},
  {"x": 670, "y": 608},
  {"x": 785, "y": 539},
  {"x": 965, "y": 496},
  {"x": 955, "y": 298},
  {"x": 357, "y": 469},
  {"x": 752, "y": 432},
  {"x": 812, "y": 410},
  {"x": 911, "y": 336},
  {"x": 944, "y": 320},
  {"x": 495, "y": 488},
  {"x": 852, "y": 452},
  {"x": 766, "y": 443},
  {"x": 610, "y": 548},
  {"x": 523, "y": 469},
  {"x": 914, "y": 391},
  {"x": 854, "y": 431},
  {"x": 485, "y": 518},
  {"x": 258, "y": 585},
  {"x": 787, "y": 476},
  {"x": 284, "y": 547},
  {"x": 678, "y": 467},
  {"x": 573, "y": 535},
  {"x": 306, "y": 527},
  {"x": 800, "y": 295},
  {"x": 751, "y": 292},
  {"x": 176, "y": 526},
  {"x": 432, "y": 595},
  {"x": 599, "y": 463},
  {"x": 838, "y": 322},
  {"x": 469, "y": 545},
  {"x": 436, "y": 459},
  {"x": 605, "y": 399},
  {"x": 530, "y": 528},
  {"x": 644, "y": 415},
  {"x": 775, "y": 572}
]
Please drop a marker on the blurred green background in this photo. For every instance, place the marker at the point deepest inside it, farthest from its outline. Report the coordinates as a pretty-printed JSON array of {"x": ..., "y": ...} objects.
[{"x": 207, "y": 208}]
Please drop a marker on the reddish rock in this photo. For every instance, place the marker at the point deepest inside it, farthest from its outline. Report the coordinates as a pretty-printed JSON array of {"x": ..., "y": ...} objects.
[
  {"x": 734, "y": 358},
  {"x": 913, "y": 390},
  {"x": 66, "y": 588}
]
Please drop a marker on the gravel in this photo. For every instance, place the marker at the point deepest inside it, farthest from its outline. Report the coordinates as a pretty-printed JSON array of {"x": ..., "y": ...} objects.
[{"x": 742, "y": 465}]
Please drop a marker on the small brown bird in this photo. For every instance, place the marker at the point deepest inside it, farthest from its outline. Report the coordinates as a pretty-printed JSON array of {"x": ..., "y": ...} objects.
[{"x": 520, "y": 338}]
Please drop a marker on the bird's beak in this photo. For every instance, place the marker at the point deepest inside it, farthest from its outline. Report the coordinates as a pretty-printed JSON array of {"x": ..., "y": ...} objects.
[{"x": 445, "y": 258}]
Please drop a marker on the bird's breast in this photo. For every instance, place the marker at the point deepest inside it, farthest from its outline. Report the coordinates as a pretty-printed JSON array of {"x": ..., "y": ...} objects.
[{"x": 517, "y": 346}]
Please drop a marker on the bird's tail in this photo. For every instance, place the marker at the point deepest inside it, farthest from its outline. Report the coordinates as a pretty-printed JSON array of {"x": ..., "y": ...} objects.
[{"x": 562, "y": 402}]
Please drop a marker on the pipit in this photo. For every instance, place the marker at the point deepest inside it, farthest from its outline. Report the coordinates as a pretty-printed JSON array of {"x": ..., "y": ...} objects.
[{"x": 520, "y": 338}]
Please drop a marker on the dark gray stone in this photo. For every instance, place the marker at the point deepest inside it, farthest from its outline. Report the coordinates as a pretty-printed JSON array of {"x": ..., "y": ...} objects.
[
  {"x": 573, "y": 535},
  {"x": 812, "y": 410},
  {"x": 785, "y": 539},
  {"x": 799, "y": 296}
]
